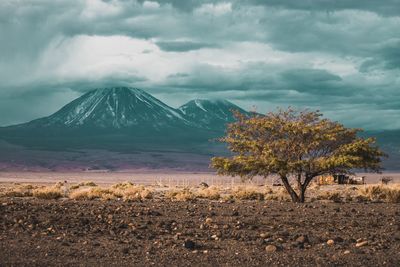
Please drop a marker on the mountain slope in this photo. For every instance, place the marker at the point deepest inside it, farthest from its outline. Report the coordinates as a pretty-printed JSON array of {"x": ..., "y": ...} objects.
[
  {"x": 115, "y": 108},
  {"x": 121, "y": 119},
  {"x": 210, "y": 114}
]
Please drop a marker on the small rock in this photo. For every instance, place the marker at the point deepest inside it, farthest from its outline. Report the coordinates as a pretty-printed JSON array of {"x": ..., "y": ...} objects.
[
  {"x": 189, "y": 244},
  {"x": 265, "y": 235},
  {"x": 330, "y": 242},
  {"x": 361, "y": 244},
  {"x": 302, "y": 239},
  {"x": 346, "y": 252},
  {"x": 338, "y": 239},
  {"x": 270, "y": 248},
  {"x": 208, "y": 220},
  {"x": 235, "y": 213}
]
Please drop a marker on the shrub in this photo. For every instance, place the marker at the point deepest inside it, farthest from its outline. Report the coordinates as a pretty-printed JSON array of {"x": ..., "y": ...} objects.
[
  {"x": 374, "y": 192},
  {"x": 93, "y": 193},
  {"x": 328, "y": 195},
  {"x": 380, "y": 192},
  {"x": 393, "y": 195},
  {"x": 386, "y": 180},
  {"x": 180, "y": 195},
  {"x": 81, "y": 184},
  {"x": 49, "y": 192},
  {"x": 247, "y": 193},
  {"x": 136, "y": 193},
  {"x": 123, "y": 186},
  {"x": 209, "y": 193},
  {"x": 18, "y": 190}
]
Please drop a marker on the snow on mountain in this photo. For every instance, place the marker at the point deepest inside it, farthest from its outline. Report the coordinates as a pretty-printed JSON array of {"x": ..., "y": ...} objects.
[
  {"x": 210, "y": 114},
  {"x": 116, "y": 108}
]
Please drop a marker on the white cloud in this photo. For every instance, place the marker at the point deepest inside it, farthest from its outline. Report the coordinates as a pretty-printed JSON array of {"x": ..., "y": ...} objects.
[
  {"x": 151, "y": 5},
  {"x": 214, "y": 9}
]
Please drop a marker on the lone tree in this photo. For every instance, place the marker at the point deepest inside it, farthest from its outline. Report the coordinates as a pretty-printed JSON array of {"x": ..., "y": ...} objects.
[{"x": 298, "y": 145}]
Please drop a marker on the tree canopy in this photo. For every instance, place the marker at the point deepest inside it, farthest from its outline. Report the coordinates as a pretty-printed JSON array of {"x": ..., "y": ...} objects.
[{"x": 297, "y": 145}]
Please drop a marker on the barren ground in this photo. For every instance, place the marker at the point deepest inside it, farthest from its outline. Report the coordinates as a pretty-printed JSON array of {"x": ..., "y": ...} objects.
[{"x": 154, "y": 232}]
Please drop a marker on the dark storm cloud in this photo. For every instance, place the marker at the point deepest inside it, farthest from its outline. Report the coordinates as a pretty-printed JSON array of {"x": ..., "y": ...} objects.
[
  {"x": 386, "y": 57},
  {"x": 183, "y": 46},
  {"x": 256, "y": 76},
  {"x": 385, "y": 8},
  {"x": 338, "y": 55}
]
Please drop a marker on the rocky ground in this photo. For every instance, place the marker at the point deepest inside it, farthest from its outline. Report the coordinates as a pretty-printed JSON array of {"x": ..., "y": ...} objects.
[{"x": 200, "y": 233}]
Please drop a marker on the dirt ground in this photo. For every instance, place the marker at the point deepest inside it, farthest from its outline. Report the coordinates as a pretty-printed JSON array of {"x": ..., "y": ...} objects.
[{"x": 160, "y": 232}]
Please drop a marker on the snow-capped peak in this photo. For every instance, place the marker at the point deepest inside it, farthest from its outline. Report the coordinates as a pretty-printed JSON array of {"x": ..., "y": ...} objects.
[{"x": 117, "y": 107}]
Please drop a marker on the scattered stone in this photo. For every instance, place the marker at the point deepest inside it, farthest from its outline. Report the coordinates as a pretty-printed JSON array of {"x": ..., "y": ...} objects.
[
  {"x": 270, "y": 248},
  {"x": 265, "y": 235},
  {"x": 338, "y": 239},
  {"x": 302, "y": 239},
  {"x": 330, "y": 242},
  {"x": 235, "y": 213},
  {"x": 208, "y": 220},
  {"x": 361, "y": 244},
  {"x": 189, "y": 244},
  {"x": 346, "y": 252}
]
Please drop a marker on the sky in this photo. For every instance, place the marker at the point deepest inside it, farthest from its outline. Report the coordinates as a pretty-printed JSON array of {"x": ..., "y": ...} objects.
[{"x": 340, "y": 57}]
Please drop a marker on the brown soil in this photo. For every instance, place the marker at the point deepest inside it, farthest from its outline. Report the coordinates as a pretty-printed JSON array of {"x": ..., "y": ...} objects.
[{"x": 155, "y": 232}]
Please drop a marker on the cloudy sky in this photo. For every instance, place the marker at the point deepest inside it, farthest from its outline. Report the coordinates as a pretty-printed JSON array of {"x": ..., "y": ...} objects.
[{"x": 342, "y": 57}]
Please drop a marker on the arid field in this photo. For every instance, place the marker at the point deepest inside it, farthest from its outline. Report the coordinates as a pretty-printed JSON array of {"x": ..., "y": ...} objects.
[
  {"x": 126, "y": 224},
  {"x": 147, "y": 177}
]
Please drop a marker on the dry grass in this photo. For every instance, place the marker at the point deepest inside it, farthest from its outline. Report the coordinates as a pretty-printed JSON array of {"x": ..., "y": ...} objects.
[
  {"x": 180, "y": 195},
  {"x": 16, "y": 192},
  {"x": 279, "y": 194},
  {"x": 126, "y": 191},
  {"x": 247, "y": 193},
  {"x": 138, "y": 192},
  {"x": 330, "y": 195},
  {"x": 380, "y": 193},
  {"x": 123, "y": 186},
  {"x": 212, "y": 193},
  {"x": 129, "y": 191},
  {"x": 48, "y": 192},
  {"x": 83, "y": 184},
  {"x": 93, "y": 193}
]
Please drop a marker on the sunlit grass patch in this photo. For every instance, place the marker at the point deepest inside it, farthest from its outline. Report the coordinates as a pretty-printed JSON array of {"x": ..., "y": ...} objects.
[
  {"x": 180, "y": 195},
  {"x": 48, "y": 192},
  {"x": 247, "y": 193},
  {"x": 212, "y": 193}
]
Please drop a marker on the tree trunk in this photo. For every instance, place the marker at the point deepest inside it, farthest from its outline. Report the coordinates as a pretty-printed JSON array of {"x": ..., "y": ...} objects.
[
  {"x": 302, "y": 197},
  {"x": 290, "y": 190}
]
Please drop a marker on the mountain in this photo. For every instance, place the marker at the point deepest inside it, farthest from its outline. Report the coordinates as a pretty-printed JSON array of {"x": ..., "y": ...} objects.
[
  {"x": 210, "y": 114},
  {"x": 113, "y": 128},
  {"x": 114, "y": 108},
  {"x": 127, "y": 120}
]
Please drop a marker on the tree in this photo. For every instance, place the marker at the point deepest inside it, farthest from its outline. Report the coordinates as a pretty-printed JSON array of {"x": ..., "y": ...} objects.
[{"x": 295, "y": 145}]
